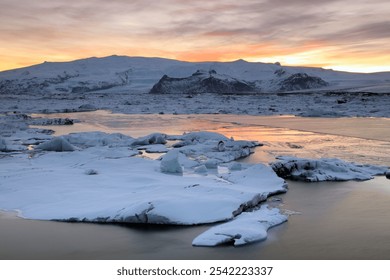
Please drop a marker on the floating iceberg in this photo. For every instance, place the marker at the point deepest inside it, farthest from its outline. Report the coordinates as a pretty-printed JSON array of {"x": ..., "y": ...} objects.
[
  {"x": 125, "y": 188},
  {"x": 325, "y": 169},
  {"x": 244, "y": 229},
  {"x": 57, "y": 144}
]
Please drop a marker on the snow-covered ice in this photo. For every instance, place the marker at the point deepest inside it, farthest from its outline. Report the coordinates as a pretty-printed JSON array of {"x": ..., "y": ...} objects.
[
  {"x": 125, "y": 188},
  {"x": 325, "y": 169},
  {"x": 170, "y": 162},
  {"x": 247, "y": 228},
  {"x": 58, "y": 144},
  {"x": 212, "y": 148}
]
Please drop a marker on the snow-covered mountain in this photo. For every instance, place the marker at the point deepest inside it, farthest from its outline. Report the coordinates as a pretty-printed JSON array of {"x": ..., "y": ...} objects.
[
  {"x": 202, "y": 81},
  {"x": 140, "y": 74}
]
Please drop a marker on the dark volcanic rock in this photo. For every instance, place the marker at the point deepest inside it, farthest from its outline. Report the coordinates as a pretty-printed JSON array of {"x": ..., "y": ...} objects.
[
  {"x": 201, "y": 82},
  {"x": 301, "y": 81}
]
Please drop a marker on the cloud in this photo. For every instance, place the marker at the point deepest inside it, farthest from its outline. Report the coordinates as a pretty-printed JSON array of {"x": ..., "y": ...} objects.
[{"x": 219, "y": 29}]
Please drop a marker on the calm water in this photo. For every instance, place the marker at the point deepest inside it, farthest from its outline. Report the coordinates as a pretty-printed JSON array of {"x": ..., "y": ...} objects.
[{"x": 346, "y": 220}]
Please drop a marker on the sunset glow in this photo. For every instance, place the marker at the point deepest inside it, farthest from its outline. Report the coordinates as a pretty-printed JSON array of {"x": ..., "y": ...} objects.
[{"x": 342, "y": 35}]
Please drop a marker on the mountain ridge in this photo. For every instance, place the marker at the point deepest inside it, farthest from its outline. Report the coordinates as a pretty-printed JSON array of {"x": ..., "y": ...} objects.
[{"x": 140, "y": 74}]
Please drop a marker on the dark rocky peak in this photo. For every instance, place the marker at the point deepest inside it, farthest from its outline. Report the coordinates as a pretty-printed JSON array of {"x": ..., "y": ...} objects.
[{"x": 301, "y": 81}]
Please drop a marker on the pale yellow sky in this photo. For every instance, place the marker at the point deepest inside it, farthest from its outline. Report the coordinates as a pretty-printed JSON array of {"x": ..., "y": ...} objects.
[{"x": 352, "y": 35}]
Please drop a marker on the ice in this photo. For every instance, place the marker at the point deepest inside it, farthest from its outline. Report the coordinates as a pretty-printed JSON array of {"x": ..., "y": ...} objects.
[
  {"x": 3, "y": 145},
  {"x": 202, "y": 169},
  {"x": 97, "y": 138},
  {"x": 211, "y": 148},
  {"x": 325, "y": 169},
  {"x": 154, "y": 138},
  {"x": 154, "y": 148},
  {"x": 170, "y": 163},
  {"x": 198, "y": 137},
  {"x": 57, "y": 144},
  {"x": 246, "y": 228},
  {"x": 102, "y": 181}
]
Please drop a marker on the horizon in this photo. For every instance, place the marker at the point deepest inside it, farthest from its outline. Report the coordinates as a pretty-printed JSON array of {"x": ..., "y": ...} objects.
[
  {"x": 344, "y": 36},
  {"x": 205, "y": 61}
]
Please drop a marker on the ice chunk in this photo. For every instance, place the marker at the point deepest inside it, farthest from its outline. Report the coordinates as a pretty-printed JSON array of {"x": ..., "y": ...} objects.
[
  {"x": 154, "y": 138},
  {"x": 57, "y": 144},
  {"x": 246, "y": 228},
  {"x": 97, "y": 138},
  {"x": 260, "y": 179},
  {"x": 325, "y": 169},
  {"x": 211, "y": 148},
  {"x": 201, "y": 169},
  {"x": 3, "y": 146},
  {"x": 235, "y": 166},
  {"x": 170, "y": 163},
  {"x": 154, "y": 148},
  {"x": 200, "y": 137}
]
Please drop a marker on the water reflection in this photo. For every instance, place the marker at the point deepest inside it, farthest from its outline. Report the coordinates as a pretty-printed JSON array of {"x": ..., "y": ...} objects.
[{"x": 277, "y": 140}]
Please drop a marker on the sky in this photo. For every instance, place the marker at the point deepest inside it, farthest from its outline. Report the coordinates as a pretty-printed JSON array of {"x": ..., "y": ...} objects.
[{"x": 351, "y": 35}]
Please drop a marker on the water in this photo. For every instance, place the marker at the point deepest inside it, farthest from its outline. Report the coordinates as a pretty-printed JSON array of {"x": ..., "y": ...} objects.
[{"x": 343, "y": 220}]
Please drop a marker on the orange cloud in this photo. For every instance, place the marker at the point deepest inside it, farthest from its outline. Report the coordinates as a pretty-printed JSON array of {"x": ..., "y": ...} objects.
[{"x": 312, "y": 33}]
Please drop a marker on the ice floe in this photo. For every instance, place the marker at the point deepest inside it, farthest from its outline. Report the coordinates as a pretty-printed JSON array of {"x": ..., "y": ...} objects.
[
  {"x": 128, "y": 189},
  {"x": 324, "y": 169},
  {"x": 246, "y": 228},
  {"x": 57, "y": 144},
  {"x": 97, "y": 138},
  {"x": 211, "y": 148}
]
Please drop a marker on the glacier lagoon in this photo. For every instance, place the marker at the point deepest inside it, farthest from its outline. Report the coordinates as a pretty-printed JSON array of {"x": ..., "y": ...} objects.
[{"x": 319, "y": 198}]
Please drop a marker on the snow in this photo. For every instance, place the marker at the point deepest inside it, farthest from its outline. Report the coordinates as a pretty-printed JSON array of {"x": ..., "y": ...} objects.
[
  {"x": 170, "y": 163},
  {"x": 139, "y": 74},
  {"x": 325, "y": 169},
  {"x": 58, "y": 144},
  {"x": 3, "y": 145},
  {"x": 97, "y": 138},
  {"x": 103, "y": 181},
  {"x": 154, "y": 148},
  {"x": 211, "y": 148},
  {"x": 247, "y": 228},
  {"x": 154, "y": 138}
]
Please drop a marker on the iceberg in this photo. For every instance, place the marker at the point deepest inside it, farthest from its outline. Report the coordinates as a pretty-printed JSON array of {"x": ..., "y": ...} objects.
[
  {"x": 246, "y": 228},
  {"x": 325, "y": 169},
  {"x": 57, "y": 144},
  {"x": 104, "y": 181}
]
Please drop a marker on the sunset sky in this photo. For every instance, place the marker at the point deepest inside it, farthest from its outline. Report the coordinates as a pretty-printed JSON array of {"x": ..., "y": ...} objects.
[{"x": 352, "y": 35}]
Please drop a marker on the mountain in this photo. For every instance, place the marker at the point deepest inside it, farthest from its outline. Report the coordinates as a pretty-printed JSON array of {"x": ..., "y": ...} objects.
[
  {"x": 159, "y": 75},
  {"x": 202, "y": 81}
]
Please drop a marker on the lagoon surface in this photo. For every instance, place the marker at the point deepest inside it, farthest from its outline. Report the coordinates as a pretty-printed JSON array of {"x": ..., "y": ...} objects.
[{"x": 332, "y": 220}]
